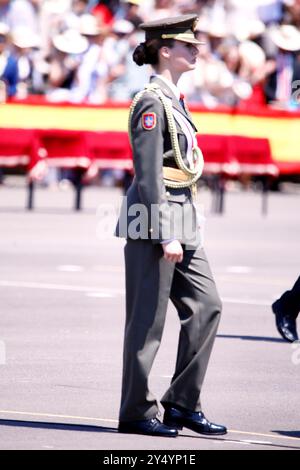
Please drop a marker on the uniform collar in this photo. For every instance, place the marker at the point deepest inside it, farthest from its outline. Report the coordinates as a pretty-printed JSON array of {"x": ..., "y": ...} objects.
[
  {"x": 169, "y": 89},
  {"x": 175, "y": 90}
]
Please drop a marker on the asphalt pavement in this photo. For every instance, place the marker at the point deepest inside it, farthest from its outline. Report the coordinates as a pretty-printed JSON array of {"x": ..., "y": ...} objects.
[{"x": 62, "y": 319}]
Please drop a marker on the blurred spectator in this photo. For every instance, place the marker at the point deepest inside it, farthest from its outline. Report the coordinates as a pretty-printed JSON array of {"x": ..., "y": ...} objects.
[
  {"x": 163, "y": 9},
  {"x": 233, "y": 81},
  {"x": 72, "y": 18},
  {"x": 21, "y": 13},
  {"x": 119, "y": 50},
  {"x": 187, "y": 6},
  {"x": 25, "y": 43},
  {"x": 269, "y": 11},
  {"x": 217, "y": 34},
  {"x": 64, "y": 62},
  {"x": 231, "y": 70},
  {"x": 52, "y": 15},
  {"x": 126, "y": 80},
  {"x": 286, "y": 66},
  {"x": 292, "y": 12},
  {"x": 129, "y": 10},
  {"x": 8, "y": 65},
  {"x": 104, "y": 11},
  {"x": 252, "y": 72},
  {"x": 92, "y": 73},
  {"x": 240, "y": 11}
]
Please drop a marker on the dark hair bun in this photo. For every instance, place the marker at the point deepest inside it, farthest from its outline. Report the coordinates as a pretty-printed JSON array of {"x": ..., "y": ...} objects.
[{"x": 140, "y": 54}]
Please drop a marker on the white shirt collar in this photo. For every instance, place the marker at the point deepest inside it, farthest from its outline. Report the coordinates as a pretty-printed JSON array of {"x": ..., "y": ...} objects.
[{"x": 170, "y": 84}]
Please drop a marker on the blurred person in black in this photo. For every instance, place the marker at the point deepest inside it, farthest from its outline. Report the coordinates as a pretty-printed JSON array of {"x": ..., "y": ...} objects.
[{"x": 286, "y": 310}]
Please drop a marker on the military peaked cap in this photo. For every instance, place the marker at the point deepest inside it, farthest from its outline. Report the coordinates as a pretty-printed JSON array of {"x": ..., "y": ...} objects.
[{"x": 181, "y": 28}]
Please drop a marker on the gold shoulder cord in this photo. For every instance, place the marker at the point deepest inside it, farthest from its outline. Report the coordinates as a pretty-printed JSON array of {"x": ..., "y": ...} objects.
[{"x": 193, "y": 174}]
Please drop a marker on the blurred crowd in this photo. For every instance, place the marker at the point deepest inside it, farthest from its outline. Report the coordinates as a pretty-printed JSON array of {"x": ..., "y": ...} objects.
[{"x": 81, "y": 50}]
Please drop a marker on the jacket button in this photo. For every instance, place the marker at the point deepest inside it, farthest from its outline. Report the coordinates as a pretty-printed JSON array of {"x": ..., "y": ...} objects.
[{"x": 151, "y": 230}]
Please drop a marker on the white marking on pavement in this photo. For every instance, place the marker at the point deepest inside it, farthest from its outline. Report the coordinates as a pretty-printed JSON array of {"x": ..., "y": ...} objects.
[
  {"x": 113, "y": 269},
  {"x": 109, "y": 292},
  {"x": 232, "y": 300},
  {"x": 239, "y": 269},
  {"x": 108, "y": 420},
  {"x": 48, "y": 415},
  {"x": 228, "y": 441},
  {"x": 250, "y": 280},
  {"x": 99, "y": 295},
  {"x": 248, "y": 433},
  {"x": 63, "y": 287},
  {"x": 257, "y": 442},
  {"x": 70, "y": 268}
]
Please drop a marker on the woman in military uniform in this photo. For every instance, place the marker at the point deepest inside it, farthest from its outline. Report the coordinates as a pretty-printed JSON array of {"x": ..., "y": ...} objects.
[{"x": 163, "y": 254}]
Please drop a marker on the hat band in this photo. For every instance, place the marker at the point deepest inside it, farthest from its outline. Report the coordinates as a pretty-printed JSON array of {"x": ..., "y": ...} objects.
[{"x": 181, "y": 36}]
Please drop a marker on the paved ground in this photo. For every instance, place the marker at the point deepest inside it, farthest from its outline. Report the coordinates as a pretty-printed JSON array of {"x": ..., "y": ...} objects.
[{"x": 62, "y": 316}]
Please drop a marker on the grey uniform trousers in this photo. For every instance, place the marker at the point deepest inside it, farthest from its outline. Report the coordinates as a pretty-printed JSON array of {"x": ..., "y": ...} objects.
[{"x": 150, "y": 282}]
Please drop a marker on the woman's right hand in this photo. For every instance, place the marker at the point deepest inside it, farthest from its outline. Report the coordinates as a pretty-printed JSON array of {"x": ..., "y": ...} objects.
[{"x": 173, "y": 251}]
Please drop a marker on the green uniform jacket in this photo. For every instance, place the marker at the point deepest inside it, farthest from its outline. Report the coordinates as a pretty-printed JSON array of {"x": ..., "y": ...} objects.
[{"x": 150, "y": 211}]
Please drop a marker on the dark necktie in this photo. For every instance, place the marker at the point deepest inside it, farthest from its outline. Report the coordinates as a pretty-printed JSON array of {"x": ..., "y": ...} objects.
[{"x": 181, "y": 100}]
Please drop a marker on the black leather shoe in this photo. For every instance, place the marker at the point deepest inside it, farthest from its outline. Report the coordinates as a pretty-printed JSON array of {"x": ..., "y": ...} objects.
[
  {"x": 149, "y": 427},
  {"x": 194, "y": 420},
  {"x": 286, "y": 324}
]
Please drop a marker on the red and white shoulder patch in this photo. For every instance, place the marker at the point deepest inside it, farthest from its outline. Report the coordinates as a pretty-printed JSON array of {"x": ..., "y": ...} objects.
[{"x": 149, "y": 121}]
